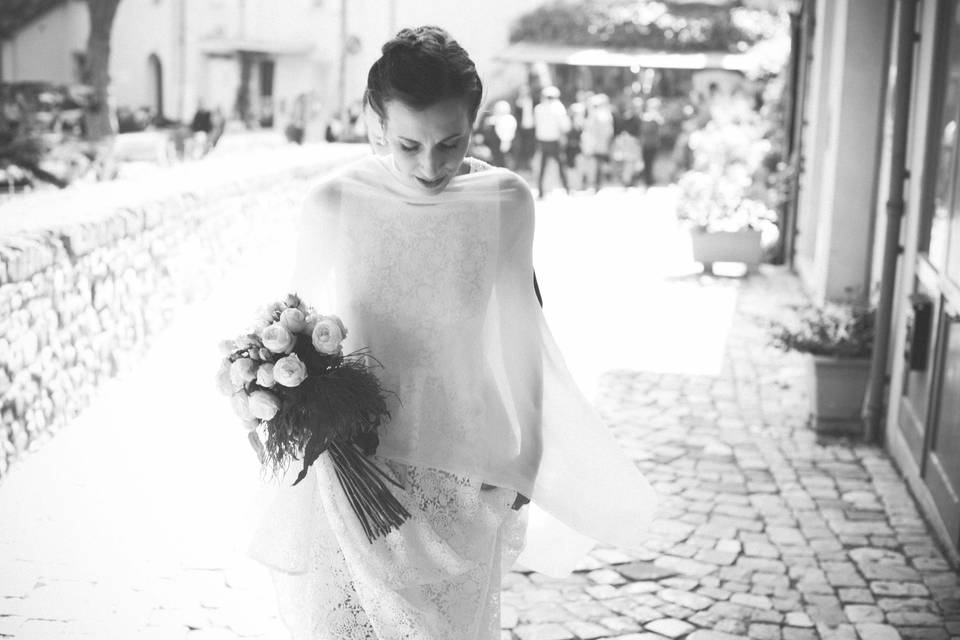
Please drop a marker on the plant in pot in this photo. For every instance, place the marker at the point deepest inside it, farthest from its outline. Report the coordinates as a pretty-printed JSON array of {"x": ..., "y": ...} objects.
[
  {"x": 839, "y": 338},
  {"x": 724, "y": 225}
]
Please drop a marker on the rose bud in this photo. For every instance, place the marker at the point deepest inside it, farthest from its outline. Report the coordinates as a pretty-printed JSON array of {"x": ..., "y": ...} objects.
[
  {"x": 265, "y": 375},
  {"x": 292, "y": 300},
  {"x": 290, "y": 371},
  {"x": 327, "y": 335},
  {"x": 293, "y": 320},
  {"x": 225, "y": 380},
  {"x": 242, "y": 371},
  {"x": 265, "y": 353},
  {"x": 263, "y": 404},
  {"x": 278, "y": 339},
  {"x": 241, "y": 406}
]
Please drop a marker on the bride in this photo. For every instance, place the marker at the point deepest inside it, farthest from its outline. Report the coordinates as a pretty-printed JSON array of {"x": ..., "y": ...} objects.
[{"x": 427, "y": 256}]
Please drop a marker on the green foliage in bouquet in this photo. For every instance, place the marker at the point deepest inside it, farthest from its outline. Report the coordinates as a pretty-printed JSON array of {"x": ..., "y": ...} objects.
[
  {"x": 838, "y": 330},
  {"x": 300, "y": 396},
  {"x": 342, "y": 401}
]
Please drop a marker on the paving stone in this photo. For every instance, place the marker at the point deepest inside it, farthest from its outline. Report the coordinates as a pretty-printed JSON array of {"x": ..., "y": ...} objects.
[
  {"x": 705, "y": 634},
  {"x": 549, "y": 631},
  {"x": 882, "y": 588},
  {"x": 620, "y": 624},
  {"x": 644, "y": 571},
  {"x": 751, "y": 600},
  {"x": 874, "y": 631},
  {"x": 855, "y": 596},
  {"x": 546, "y": 612},
  {"x": 794, "y": 633},
  {"x": 863, "y": 613},
  {"x": 798, "y": 619},
  {"x": 670, "y": 627},
  {"x": 686, "y": 599},
  {"x": 762, "y": 631},
  {"x": 587, "y": 630}
]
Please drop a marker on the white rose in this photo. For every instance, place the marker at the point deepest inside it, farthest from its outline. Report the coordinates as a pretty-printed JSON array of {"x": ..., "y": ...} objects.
[
  {"x": 265, "y": 375},
  {"x": 293, "y": 320},
  {"x": 242, "y": 371},
  {"x": 290, "y": 371},
  {"x": 225, "y": 379},
  {"x": 226, "y": 347},
  {"x": 310, "y": 321},
  {"x": 278, "y": 339},
  {"x": 327, "y": 335},
  {"x": 241, "y": 405},
  {"x": 263, "y": 404}
]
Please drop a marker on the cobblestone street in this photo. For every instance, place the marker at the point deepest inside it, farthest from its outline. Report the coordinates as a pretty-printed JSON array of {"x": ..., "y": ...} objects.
[{"x": 132, "y": 522}]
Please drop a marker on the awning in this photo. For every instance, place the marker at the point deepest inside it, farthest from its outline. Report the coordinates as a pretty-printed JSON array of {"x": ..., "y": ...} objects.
[
  {"x": 228, "y": 46},
  {"x": 642, "y": 58}
]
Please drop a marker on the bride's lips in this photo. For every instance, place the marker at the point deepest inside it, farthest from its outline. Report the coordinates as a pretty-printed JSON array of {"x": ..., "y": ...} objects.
[{"x": 431, "y": 184}]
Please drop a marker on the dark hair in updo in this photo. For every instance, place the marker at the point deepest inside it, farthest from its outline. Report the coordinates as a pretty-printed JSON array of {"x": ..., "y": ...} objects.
[{"x": 421, "y": 67}]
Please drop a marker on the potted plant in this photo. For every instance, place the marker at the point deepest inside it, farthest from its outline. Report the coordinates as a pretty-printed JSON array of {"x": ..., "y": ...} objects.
[
  {"x": 724, "y": 225},
  {"x": 839, "y": 337}
]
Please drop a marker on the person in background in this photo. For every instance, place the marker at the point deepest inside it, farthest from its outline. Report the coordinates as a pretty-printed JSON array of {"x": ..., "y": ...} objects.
[
  {"x": 651, "y": 129},
  {"x": 597, "y": 137},
  {"x": 552, "y": 124},
  {"x": 626, "y": 143},
  {"x": 572, "y": 151},
  {"x": 504, "y": 127},
  {"x": 526, "y": 136}
]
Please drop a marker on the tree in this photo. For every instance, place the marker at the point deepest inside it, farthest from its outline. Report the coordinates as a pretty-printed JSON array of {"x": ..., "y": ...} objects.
[
  {"x": 96, "y": 67},
  {"x": 668, "y": 25}
]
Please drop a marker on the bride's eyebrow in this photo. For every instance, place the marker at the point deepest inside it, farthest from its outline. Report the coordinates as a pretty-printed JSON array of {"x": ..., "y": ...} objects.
[{"x": 447, "y": 139}]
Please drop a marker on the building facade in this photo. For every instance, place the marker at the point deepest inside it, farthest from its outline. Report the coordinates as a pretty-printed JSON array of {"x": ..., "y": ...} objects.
[
  {"x": 272, "y": 61},
  {"x": 878, "y": 217}
]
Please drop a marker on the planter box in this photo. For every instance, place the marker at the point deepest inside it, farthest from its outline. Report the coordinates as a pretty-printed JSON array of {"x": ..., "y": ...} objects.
[
  {"x": 727, "y": 246},
  {"x": 837, "y": 389}
]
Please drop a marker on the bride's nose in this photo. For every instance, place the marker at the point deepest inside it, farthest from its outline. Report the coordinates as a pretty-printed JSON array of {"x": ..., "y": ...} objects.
[{"x": 430, "y": 165}]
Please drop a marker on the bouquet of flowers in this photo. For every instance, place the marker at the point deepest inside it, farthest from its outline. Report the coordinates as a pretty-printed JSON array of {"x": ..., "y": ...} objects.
[{"x": 300, "y": 396}]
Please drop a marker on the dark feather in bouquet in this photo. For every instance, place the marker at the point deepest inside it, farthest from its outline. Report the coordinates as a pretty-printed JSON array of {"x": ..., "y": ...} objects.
[{"x": 301, "y": 397}]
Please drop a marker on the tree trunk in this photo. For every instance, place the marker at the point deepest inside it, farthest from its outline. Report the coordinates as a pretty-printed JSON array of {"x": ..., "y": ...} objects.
[{"x": 96, "y": 68}]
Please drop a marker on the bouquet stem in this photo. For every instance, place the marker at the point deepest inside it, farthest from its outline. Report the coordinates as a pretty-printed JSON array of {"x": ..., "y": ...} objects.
[{"x": 362, "y": 481}]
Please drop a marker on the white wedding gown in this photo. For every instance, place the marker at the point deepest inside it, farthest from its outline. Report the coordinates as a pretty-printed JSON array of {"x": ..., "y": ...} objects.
[{"x": 440, "y": 289}]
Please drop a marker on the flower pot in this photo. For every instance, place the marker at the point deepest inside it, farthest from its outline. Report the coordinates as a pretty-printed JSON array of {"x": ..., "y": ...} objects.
[
  {"x": 727, "y": 246},
  {"x": 837, "y": 389}
]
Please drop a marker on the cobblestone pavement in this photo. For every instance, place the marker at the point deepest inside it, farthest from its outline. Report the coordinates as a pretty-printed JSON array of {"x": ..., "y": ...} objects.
[
  {"x": 132, "y": 521},
  {"x": 765, "y": 531}
]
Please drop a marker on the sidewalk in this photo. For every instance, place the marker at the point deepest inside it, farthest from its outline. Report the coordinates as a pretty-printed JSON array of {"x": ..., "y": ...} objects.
[{"x": 132, "y": 522}]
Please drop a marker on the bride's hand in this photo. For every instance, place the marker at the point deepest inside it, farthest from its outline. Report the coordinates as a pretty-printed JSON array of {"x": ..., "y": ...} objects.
[{"x": 517, "y": 503}]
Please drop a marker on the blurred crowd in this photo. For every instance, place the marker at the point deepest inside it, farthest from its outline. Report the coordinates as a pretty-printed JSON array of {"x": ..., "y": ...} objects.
[{"x": 592, "y": 141}]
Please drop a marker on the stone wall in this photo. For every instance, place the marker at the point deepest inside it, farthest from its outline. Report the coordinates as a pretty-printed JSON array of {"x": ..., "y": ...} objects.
[{"x": 82, "y": 291}]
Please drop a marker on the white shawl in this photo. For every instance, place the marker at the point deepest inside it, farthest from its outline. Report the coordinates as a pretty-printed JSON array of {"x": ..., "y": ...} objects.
[{"x": 440, "y": 289}]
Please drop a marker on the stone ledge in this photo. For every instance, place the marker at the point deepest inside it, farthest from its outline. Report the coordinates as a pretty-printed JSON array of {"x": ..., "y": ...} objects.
[{"x": 87, "y": 280}]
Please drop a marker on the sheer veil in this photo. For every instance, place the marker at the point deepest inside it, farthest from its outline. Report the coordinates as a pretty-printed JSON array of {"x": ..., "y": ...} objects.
[{"x": 439, "y": 288}]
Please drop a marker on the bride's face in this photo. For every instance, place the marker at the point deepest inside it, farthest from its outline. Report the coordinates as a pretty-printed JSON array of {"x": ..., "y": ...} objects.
[{"x": 428, "y": 145}]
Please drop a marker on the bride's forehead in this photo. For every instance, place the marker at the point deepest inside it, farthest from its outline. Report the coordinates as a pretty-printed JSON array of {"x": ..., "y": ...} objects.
[{"x": 437, "y": 121}]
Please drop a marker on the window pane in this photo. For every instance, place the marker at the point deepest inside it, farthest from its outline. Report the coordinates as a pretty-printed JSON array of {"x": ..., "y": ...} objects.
[{"x": 943, "y": 189}]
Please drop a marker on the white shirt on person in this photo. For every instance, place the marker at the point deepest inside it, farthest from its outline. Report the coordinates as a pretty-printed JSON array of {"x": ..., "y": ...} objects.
[{"x": 550, "y": 120}]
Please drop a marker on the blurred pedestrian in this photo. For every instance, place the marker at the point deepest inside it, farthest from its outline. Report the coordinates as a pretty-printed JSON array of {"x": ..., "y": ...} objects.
[
  {"x": 625, "y": 151},
  {"x": 651, "y": 133},
  {"x": 572, "y": 150},
  {"x": 552, "y": 124},
  {"x": 597, "y": 137},
  {"x": 526, "y": 136},
  {"x": 503, "y": 126}
]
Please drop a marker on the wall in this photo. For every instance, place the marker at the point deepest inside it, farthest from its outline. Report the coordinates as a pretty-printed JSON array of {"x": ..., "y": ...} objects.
[
  {"x": 43, "y": 49},
  {"x": 84, "y": 285}
]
